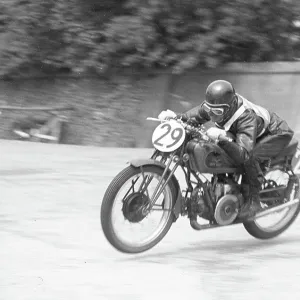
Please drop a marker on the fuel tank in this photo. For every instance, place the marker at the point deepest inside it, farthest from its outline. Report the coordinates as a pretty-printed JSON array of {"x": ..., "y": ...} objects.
[{"x": 206, "y": 157}]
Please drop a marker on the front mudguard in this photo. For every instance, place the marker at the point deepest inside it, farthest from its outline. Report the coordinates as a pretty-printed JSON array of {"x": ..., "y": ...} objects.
[{"x": 148, "y": 162}]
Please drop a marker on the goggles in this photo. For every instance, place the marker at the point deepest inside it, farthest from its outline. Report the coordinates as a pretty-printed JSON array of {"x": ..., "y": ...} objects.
[{"x": 216, "y": 110}]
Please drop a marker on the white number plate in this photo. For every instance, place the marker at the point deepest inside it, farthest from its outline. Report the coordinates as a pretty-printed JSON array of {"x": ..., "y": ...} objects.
[{"x": 168, "y": 136}]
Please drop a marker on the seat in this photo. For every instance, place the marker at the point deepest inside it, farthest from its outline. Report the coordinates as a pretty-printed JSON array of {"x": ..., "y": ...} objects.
[{"x": 289, "y": 150}]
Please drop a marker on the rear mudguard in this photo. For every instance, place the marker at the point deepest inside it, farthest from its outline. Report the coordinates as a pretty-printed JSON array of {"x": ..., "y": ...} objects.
[{"x": 148, "y": 162}]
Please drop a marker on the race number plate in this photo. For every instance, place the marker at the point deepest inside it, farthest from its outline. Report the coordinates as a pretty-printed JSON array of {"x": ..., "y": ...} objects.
[
  {"x": 168, "y": 136},
  {"x": 296, "y": 163}
]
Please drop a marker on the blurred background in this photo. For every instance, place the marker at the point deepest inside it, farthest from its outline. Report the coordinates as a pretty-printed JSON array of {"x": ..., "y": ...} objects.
[{"x": 116, "y": 62}]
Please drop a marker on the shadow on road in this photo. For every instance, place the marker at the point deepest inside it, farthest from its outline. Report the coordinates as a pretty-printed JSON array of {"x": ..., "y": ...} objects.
[{"x": 217, "y": 249}]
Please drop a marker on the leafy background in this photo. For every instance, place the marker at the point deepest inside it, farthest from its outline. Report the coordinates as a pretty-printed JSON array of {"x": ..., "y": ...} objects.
[
  {"x": 80, "y": 47},
  {"x": 97, "y": 37}
]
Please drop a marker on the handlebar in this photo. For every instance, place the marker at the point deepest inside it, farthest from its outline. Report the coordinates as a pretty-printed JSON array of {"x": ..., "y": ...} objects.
[
  {"x": 225, "y": 138},
  {"x": 192, "y": 129},
  {"x": 154, "y": 119}
]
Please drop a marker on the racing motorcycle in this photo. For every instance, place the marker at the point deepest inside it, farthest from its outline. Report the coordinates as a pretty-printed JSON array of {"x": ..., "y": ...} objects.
[{"x": 209, "y": 194}]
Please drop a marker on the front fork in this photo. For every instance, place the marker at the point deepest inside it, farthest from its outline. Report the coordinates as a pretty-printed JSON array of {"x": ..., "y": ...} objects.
[
  {"x": 163, "y": 161},
  {"x": 162, "y": 182}
]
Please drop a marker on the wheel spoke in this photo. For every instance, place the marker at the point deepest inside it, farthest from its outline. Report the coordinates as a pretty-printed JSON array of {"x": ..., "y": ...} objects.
[
  {"x": 161, "y": 209},
  {"x": 275, "y": 221},
  {"x": 133, "y": 182},
  {"x": 135, "y": 229},
  {"x": 158, "y": 207},
  {"x": 144, "y": 185}
]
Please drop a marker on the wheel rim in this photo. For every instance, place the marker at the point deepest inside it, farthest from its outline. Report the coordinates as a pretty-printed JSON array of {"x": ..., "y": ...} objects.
[
  {"x": 280, "y": 219},
  {"x": 129, "y": 227}
]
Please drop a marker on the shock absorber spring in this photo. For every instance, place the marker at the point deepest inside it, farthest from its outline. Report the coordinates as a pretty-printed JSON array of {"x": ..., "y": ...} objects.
[{"x": 268, "y": 164}]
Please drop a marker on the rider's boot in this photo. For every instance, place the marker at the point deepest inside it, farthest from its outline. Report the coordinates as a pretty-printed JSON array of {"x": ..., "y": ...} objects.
[
  {"x": 252, "y": 204},
  {"x": 254, "y": 179}
]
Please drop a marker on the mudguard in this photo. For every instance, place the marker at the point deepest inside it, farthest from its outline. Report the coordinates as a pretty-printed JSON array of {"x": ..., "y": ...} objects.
[{"x": 148, "y": 162}]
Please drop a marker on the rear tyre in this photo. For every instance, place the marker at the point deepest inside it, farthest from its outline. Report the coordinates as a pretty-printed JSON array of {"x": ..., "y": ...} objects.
[{"x": 264, "y": 232}]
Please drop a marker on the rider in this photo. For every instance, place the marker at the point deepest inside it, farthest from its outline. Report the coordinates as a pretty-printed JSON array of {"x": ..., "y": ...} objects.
[{"x": 249, "y": 123}]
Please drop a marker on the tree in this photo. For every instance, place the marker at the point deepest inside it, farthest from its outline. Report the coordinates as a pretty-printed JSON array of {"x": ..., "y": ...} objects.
[
  {"x": 78, "y": 36},
  {"x": 50, "y": 36},
  {"x": 185, "y": 33}
]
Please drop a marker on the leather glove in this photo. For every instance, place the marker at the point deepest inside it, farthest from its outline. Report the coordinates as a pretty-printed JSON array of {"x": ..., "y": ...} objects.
[
  {"x": 192, "y": 122},
  {"x": 215, "y": 133},
  {"x": 166, "y": 115}
]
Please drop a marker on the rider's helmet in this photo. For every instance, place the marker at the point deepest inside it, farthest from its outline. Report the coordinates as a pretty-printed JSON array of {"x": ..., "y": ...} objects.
[{"x": 220, "y": 99}]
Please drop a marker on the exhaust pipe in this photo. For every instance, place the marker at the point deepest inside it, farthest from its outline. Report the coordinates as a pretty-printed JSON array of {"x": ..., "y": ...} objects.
[
  {"x": 275, "y": 209},
  {"x": 195, "y": 225}
]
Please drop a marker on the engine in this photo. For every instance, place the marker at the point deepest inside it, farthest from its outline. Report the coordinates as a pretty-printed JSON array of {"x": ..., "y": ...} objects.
[{"x": 227, "y": 200}]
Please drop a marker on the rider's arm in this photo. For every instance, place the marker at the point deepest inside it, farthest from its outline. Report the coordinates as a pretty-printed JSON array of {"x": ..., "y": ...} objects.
[
  {"x": 246, "y": 131},
  {"x": 197, "y": 113}
]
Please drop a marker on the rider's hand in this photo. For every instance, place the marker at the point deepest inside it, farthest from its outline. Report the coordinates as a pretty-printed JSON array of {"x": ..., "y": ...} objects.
[
  {"x": 166, "y": 114},
  {"x": 192, "y": 122},
  {"x": 214, "y": 133}
]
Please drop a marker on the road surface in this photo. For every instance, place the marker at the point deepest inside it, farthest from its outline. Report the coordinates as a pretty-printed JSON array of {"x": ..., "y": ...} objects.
[{"x": 52, "y": 246}]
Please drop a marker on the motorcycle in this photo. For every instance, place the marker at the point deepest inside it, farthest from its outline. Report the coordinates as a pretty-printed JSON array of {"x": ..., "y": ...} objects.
[{"x": 210, "y": 193}]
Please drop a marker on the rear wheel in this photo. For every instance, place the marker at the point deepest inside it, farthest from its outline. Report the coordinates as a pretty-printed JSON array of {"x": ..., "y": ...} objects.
[
  {"x": 274, "y": 224},
  {"x": 123, "y": 216}
]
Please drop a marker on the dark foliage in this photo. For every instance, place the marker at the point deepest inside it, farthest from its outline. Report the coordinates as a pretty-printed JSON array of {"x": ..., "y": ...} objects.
[{"x": 79, "y": 36}]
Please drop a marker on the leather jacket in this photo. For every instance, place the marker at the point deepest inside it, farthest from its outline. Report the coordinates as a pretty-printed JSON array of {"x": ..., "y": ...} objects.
[{"x": 246, "y": 129}]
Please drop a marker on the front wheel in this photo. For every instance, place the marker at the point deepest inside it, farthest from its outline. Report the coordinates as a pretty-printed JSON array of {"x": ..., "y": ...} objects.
[
  {"x": 276, "y": 223},
  {"x": 123, "y": 217}
]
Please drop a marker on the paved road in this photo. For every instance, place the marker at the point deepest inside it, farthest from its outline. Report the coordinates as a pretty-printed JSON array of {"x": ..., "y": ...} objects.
[{"x": 52, "y": 246}]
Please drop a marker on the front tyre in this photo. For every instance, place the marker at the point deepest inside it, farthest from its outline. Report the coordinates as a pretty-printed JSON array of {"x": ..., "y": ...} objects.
[{"x": 124, "y": 200}]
